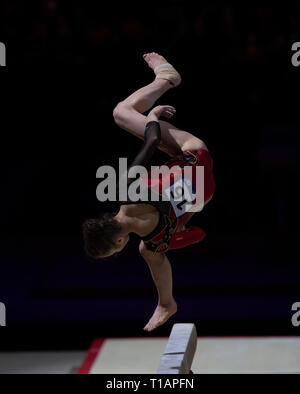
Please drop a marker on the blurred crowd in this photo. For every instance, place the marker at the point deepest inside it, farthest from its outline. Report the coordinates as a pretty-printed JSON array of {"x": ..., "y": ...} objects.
[{"x": 75, "y": 32}]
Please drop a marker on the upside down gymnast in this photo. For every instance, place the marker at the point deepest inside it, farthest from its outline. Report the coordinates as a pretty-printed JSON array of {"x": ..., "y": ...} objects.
[{"x": 156, "y": 223}]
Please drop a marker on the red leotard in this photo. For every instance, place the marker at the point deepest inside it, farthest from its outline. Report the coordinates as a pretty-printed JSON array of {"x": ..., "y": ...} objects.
[{"x": 160, "y": 240}]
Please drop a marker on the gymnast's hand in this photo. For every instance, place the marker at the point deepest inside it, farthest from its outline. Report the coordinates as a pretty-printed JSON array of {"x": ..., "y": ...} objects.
[{"x": 166, "y": 111}]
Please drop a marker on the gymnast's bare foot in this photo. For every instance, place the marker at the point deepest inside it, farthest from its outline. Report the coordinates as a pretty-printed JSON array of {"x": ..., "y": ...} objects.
[
  {"x": 154, "y": 59},
  {"x": 167, "y": 72},
  {"x": 161, "y": 314}
]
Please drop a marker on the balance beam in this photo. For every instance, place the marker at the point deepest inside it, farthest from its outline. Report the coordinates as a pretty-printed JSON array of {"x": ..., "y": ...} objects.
[{"x": 180, "y": 350}]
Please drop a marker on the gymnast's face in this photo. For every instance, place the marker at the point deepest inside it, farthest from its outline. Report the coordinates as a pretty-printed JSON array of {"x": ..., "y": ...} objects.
[{"x": 121, "y": 242}]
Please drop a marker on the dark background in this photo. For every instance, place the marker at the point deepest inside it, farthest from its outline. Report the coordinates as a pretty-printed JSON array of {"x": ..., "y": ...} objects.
[{"x": 68, "y": 64}]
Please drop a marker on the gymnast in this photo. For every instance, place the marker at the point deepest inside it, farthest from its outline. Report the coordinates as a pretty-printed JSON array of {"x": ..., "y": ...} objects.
[{"x": 158, "y": 224}]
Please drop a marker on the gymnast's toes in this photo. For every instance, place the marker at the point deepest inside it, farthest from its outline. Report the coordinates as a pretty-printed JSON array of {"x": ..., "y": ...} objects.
[{"x": 154, "y": 59}]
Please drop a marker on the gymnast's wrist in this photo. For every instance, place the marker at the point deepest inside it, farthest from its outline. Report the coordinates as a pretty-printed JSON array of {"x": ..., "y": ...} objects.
[{"x": 152, "y": 117}]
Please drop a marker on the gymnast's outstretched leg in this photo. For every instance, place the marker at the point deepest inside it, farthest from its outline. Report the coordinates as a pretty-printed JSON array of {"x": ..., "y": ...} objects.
[{"x": 161, "y": 272}]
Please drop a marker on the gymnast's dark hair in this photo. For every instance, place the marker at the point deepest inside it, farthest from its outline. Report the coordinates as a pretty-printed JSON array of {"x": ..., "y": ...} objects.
[{"x": 99, "y": 233}]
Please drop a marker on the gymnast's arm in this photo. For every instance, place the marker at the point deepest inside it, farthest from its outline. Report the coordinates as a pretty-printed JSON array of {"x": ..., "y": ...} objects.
[{"x": 152, "y": 139}]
